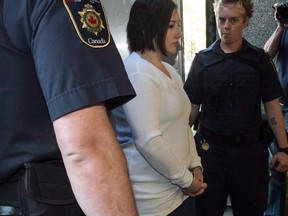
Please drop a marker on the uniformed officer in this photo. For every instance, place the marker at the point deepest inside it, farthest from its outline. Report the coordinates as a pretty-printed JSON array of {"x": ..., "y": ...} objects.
[
  {"x": 228, "y": 80},
  {"x": 60, "y": 74}
]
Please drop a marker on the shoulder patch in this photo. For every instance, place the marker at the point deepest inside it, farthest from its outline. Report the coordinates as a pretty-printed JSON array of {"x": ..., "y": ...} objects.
[{"x": 90, "y": 21}]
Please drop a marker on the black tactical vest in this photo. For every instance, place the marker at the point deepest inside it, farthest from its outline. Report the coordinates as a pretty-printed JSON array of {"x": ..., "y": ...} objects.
[{"x": 231, "y": 90}]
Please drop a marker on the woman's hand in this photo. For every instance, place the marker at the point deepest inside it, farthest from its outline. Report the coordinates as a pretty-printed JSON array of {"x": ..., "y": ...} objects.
[{"x": 197, "y": 186}]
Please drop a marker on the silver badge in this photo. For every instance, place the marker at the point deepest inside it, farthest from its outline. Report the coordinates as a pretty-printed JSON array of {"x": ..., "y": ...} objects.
[{"x": 205, "y": 146}]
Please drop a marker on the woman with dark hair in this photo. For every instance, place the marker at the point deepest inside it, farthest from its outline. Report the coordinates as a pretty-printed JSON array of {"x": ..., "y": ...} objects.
[{"x": 153, "y": 129}]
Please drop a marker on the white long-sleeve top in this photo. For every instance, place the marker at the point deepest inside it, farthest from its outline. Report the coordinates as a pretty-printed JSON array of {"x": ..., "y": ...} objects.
[{"x": 156, "y": 138}]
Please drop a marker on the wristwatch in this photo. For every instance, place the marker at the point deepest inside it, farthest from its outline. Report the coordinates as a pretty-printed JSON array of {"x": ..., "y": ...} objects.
[{"x": 285, "y": 150}]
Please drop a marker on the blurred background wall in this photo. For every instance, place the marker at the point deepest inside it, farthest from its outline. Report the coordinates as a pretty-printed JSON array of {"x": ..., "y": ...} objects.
[{"x": 262, "y": 23}]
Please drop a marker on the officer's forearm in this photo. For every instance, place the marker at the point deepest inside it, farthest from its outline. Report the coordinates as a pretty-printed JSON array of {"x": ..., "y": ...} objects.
[
  {"x": 194, "y": 114},
  {"x": 99, "y": 179},
  {"x": 276, "y": 121},
  {"x": 95, "y": 163}
]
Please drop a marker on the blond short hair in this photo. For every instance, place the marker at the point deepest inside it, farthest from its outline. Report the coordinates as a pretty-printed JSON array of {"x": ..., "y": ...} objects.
[{"x": 247, "y": 5}]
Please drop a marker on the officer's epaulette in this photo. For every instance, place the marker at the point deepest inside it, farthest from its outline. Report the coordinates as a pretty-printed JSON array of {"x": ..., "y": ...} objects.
[
  {"x": 252, "y": 54},
  {"x": 209, "y": 57}
]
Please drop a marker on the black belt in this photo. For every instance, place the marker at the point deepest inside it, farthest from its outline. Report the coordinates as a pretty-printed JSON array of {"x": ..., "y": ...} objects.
[
  {"x": 9, "y": 210},
  {"x": 230, "y": 138}
]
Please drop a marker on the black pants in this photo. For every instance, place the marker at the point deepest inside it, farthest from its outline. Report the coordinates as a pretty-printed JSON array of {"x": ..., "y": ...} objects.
[
  {"x": 240, "y": 171},
  {"x": 41, "y": 189},
  {"x": 187, "y": 208}
]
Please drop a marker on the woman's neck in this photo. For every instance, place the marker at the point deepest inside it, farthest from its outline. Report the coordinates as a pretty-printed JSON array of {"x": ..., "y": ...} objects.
[{"x": 155, "y": 58}]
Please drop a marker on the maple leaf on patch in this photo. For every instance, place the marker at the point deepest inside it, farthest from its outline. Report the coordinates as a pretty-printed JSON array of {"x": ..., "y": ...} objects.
[{"x": 92, "y": 20}]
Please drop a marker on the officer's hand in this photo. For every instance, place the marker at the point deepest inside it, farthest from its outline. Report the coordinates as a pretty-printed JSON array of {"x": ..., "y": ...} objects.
[
  {"x": 276, "y": 5},
  {"x": 280, "y": 162},
  {"x": 196, "y": 188}
]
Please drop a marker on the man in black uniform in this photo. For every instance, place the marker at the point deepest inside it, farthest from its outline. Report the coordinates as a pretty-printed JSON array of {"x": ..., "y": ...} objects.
[
  {"x": 60, "y": 74},
  {"x": 229, "y": 79}
]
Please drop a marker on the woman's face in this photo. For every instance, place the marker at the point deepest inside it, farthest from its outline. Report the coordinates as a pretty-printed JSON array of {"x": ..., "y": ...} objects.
[{"x": 173, "y": 34}]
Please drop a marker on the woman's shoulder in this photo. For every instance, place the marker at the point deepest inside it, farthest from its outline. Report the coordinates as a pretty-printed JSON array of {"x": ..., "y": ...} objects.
[
  {"x": 172, "y": 70},
  {"x": 134, "y": 63}
]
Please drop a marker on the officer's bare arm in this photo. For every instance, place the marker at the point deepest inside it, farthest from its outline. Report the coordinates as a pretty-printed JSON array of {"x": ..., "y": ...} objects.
[
  {"x": 194, "y": 113},
  {"x": 276, "y": 121},
  {"x": 95, "y": 163}
]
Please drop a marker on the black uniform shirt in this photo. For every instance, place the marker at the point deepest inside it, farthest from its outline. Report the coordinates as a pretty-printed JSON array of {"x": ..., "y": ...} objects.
[
  {"x": 230, "y": 87},
  {"x": 55, "y": 57}
]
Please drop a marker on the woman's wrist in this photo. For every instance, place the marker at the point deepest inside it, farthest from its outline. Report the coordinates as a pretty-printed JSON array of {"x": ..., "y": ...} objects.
[{"x": 194, "y": 168}]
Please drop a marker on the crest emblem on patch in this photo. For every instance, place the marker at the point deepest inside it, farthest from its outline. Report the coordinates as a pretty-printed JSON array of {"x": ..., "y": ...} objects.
[
  {"x": 91, "y": 19},
  {"x": 90, "y": 22}
]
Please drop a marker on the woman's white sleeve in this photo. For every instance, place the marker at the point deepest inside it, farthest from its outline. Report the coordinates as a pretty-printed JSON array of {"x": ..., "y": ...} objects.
[{"x": 143, "y": 114}]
